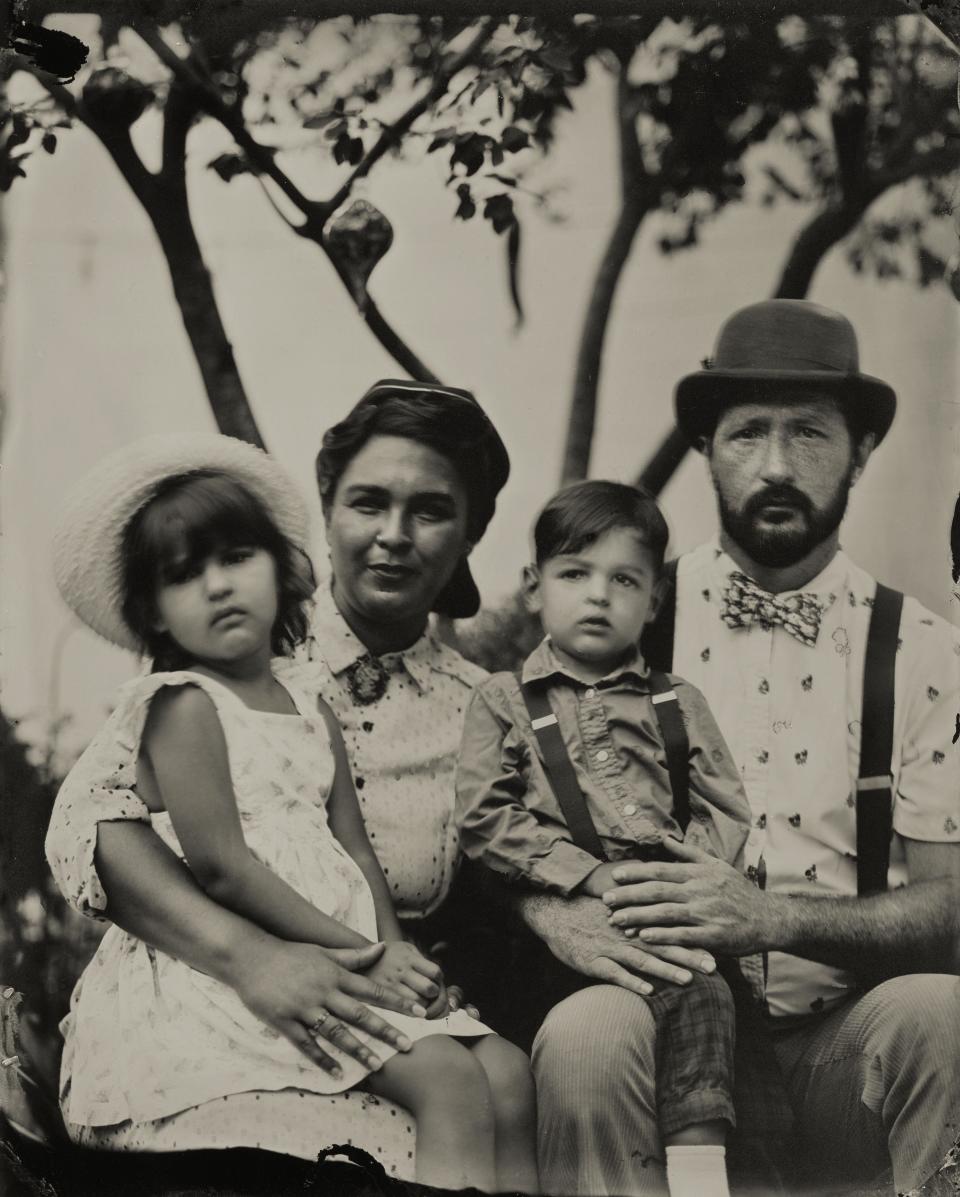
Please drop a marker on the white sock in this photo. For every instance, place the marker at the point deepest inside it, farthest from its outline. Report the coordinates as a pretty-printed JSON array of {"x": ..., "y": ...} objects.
[{"x": 697, "y": 1170}]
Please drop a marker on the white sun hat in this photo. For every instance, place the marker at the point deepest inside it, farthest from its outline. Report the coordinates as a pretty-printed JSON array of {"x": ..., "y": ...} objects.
[{"x": 88, "y": 541}]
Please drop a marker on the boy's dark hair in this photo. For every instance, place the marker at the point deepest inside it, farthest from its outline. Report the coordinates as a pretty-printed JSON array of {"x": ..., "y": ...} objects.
[
  {"x": 577, "y": 516},
  {"x": 189, "y": 517}
]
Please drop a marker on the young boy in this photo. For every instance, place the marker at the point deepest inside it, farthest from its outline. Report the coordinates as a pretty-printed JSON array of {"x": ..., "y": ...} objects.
[{"x": 599, "y": 550}]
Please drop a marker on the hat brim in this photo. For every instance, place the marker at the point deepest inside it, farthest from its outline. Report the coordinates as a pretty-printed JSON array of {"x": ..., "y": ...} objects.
[
  {"x": 87, "y": 545},
  {"x": 460, "y": 598},
  {"x": 701, "y": 397}
]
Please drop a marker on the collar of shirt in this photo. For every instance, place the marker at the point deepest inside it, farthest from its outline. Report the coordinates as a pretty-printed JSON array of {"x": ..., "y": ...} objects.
[
  {"x": 332, "y": 638},
  {"x": 832, "y": 580},
  {"x": 542, "y": 664}
]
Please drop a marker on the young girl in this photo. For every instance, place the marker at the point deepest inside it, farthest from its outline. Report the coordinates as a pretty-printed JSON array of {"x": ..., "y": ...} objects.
[{"x": 190, "y": 550}]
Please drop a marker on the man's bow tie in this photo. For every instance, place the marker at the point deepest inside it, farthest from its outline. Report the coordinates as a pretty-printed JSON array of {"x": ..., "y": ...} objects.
[{"x": 744, "y": 603}]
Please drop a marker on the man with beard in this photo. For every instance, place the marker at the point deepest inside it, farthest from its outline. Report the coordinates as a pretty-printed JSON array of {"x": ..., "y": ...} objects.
[{"x": 847, "y": 921}]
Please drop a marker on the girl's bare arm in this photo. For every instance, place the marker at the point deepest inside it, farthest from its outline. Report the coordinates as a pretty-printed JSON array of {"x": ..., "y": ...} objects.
[
  {"x": 346, "y": 823},
  {"x": 185, "y": 746}
]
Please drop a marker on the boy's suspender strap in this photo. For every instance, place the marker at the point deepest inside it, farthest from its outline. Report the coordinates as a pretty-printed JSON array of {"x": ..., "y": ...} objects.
[
  {"x": 560, "y": 772},
  {"x": 657, "y": 641},
  {"x": 675, "y": 743},
  {"x": 874, "y": 785},
  {"x": 563, "y": 779}
]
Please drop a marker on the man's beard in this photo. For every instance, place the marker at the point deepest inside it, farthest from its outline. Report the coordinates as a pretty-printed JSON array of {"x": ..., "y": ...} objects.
[{"x": 778, "y": 546}]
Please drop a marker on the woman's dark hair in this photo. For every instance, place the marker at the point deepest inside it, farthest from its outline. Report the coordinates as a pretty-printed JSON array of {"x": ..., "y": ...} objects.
[
  {"x": 189, "y": 517},
  {"x": 447, "y": 420},
  {"x": 451, "y": 430},
  {"x": 581, "y": 514}
]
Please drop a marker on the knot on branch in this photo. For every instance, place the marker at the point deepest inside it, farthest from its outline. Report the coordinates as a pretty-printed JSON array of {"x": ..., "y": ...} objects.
[
  {"x": 357, "y": 238},
  {"x": 112, "y": 97}
]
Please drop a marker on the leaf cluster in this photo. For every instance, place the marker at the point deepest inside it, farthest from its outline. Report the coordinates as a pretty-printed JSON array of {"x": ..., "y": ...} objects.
[
  {"x": 887, "y": 114},
  {"x": 22, "y": 132},
  {"x": 836, "y": 102}
]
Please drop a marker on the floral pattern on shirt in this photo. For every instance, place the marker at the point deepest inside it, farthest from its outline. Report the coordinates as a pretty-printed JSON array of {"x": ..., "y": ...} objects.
[{"x": 797, "y": 739}]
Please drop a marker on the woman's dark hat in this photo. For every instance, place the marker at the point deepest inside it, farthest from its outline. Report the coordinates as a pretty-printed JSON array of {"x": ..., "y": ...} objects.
[
  {"x": 777, "y": 349},
  {"x": 489, "y": 469}
]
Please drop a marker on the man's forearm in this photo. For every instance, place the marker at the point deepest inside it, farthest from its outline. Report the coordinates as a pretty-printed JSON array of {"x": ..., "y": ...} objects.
[
  {"x": 153, "y": 895},
  {"x": 913, "y": 929},
  {"x": 555, "y": 919}
]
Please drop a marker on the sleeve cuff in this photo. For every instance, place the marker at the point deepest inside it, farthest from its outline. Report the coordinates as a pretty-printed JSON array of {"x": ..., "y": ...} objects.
[
  {"x": 71, "y": 853},
  {"x": 562, "y": 869}
]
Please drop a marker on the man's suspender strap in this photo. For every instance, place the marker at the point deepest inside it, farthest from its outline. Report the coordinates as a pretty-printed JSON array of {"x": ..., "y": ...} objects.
[
  {"x": 874, "y": 785},
  {"x": 559, "y": 770},
  {"x": 563, "y": 779},
  {"x": 874, "y": 789}
]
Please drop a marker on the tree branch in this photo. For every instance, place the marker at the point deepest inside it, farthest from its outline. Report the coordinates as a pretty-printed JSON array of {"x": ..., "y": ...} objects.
[
  {"x": 929, "y": 164},
  {"x": 231, "y": 119},
  {"x": 294, "y": 228},
  {"x": 634, "y": 205},
  {"x": 393, "y": 134},
  {"x": 395, "y": 345},
  {"x": 316, "y": 213},
  {"x": 178, "y": 115},
  {"x": 116, "y": 141}
]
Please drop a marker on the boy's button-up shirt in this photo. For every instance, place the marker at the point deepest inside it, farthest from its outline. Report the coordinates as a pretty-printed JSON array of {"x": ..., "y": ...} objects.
[
  {"x": 507, "y": 810},
  {"x": 791, "y": 715}
]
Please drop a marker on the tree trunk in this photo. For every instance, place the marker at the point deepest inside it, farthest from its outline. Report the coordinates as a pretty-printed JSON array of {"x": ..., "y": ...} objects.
[
  {"x": 163, "y": 196},
  {"x": 193, "y": 290},
  {"x": 634, "y": 205},
  {"x": 583, "y": 409},
  {"x": 830, "y": 225}
]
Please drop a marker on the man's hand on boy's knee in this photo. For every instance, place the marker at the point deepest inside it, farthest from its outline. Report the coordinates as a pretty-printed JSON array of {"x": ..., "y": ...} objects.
[{"x": 697, "y": 901}]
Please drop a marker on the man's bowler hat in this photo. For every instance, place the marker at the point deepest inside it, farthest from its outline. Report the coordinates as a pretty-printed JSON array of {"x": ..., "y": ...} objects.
[{"x": 781, "y": 349}]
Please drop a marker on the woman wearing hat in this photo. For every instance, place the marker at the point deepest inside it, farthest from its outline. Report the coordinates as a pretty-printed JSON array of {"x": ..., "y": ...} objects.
[{"x": 408, "y": 482}]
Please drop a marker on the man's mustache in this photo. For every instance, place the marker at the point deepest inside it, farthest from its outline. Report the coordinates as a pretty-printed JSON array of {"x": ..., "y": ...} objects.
[{"x": 787, "y": 496}]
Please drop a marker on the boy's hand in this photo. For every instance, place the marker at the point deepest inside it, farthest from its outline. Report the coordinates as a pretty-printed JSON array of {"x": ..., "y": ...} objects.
[
  {"x": 403, "y": 967},
  {"x": 599, "y": 882},
  {"x": 458, "y": 1002}
]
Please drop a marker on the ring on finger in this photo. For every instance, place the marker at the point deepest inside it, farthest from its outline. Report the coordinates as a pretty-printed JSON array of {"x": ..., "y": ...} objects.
[{"x": 317, "y": 1025}]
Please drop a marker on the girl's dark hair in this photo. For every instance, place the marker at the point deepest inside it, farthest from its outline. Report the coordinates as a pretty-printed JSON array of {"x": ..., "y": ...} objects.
[
  {"x": 189, "y": 517},
  {"x": 581, "y": 514}
]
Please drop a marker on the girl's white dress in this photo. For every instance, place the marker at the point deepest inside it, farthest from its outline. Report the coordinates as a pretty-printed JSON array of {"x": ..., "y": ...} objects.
[{"x": 148, "y": 1036}]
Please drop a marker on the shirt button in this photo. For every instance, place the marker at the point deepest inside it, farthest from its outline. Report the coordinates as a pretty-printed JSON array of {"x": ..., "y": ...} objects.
[
  {"x": 629, "y": 809},
  {"x": 591, "y": 693},
  {"x": 602, "y": 755}
]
